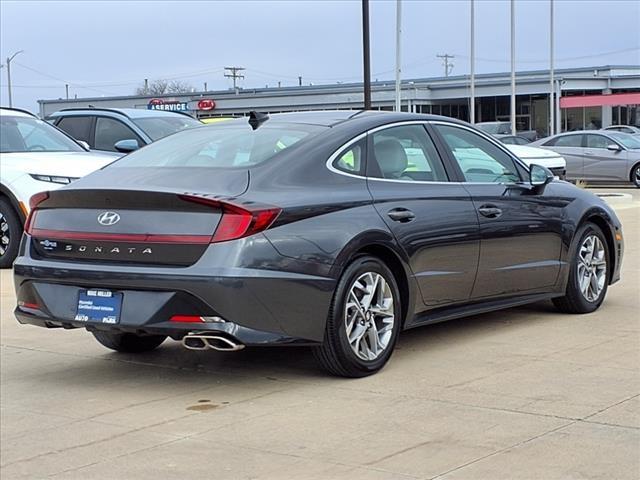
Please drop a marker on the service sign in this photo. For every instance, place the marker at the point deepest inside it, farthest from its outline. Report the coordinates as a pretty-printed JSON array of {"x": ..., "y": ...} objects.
[{"x": 167, "y": 106}]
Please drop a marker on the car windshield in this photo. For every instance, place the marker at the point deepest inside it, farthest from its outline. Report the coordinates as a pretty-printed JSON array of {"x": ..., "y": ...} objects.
[
  {"x": 159, "y": 127},
  {"x": 494, "y": 128},
  {"x": 219, "y": 146},
  {"x": 627, "y": 140},
  {"x": 29, "y": 134}
]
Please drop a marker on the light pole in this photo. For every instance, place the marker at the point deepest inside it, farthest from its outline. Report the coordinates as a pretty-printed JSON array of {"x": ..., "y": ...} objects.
[
  {"x": 551, "y": 82},
  {"x": 472, "y": 105},
  {"x": 366, "y": 58},
  {"x": 513, "y": 67},
  {"x": 398, "y": 64},
  {"x": 9, "y": 74}
]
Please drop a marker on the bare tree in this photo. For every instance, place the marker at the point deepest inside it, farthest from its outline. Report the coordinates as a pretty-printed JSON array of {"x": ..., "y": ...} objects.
[{"x": 160, "y": 86}]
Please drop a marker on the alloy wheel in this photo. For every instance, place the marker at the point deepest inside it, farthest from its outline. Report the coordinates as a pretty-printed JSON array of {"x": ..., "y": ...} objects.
[
  {"x": 592, "y": 268},
  {"x": 5, "y": 234},
  {"x": 636, "y": 177},
  {"x": 369, "y": 316}
]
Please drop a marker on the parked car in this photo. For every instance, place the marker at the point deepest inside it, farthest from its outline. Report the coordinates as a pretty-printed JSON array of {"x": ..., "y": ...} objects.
[
  {"x": 34, "y": 156},
  {"x": 513, "y": 140},
  {"x": 624, "y": 129},
  {"x": 503, "y": 129},
  {"x": 598, "y": 156},
  {"x": 120, "y": 130},
  {"x": 333, "y": 229}
]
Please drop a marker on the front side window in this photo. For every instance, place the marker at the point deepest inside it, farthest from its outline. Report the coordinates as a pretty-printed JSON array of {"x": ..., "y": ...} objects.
[
  {"x": 479, "y": 159},
  {"x": 597, "y": 141},
  {"x": 28, "y": 134},
  {"x": 110, "y": 131},
  {"x": 407, "y": 153}
]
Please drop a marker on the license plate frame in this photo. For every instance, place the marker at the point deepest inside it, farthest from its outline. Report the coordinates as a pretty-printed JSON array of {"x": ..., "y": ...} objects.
[{"x": 98, "y": 305}]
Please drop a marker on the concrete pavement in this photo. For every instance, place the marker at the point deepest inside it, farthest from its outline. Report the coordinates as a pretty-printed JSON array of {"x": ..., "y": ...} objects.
[{"x": 526, "y": 393}]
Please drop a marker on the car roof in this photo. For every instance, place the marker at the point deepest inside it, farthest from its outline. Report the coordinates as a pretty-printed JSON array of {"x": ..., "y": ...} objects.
[
  {"x": 127, "y": 112},
  {"x": 16, "y": 112}
]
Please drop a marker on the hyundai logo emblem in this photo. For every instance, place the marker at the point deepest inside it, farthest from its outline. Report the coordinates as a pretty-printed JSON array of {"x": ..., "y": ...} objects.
[{"x": 108, "y": 218}]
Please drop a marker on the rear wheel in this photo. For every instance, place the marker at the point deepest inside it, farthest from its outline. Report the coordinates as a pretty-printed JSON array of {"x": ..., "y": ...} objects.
[
  {"x": 10, "y": 233},
  {"x": 589, "y": 275},
  {"x": 635, "y": 175},
  {"x": 364, "y": 320},
  {"x": 129, "y": 342}
]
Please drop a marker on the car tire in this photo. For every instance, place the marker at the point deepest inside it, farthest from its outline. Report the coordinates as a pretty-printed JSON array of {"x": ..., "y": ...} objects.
[
  {"x": 129, "y": 342},
  {"x": 635, "y": 175},
  {"x": 360, "y": 339},
  {"x": 589, "y": 272},
  {"x": 10, "y": 233}
]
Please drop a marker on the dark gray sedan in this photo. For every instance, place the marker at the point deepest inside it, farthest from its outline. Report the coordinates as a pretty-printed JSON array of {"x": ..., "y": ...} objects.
[{"x": 598, "y": 156}]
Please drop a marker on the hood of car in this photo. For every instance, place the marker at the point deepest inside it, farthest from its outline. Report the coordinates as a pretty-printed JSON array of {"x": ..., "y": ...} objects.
[
  {"x": 529, "y": 155},
  {"x": 64, "y": 164}
]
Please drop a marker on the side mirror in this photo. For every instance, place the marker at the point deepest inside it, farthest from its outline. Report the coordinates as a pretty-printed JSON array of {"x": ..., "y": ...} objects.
[
  {"x": 126, "y": 146},
  {"x": 614, "y": 147},
  {"x": 539, "y": 176},
  {"x": 84, "y": 144}
]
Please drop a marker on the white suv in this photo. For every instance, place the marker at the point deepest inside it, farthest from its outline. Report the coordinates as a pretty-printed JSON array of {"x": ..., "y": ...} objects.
[{"x": 34, "y": 157}]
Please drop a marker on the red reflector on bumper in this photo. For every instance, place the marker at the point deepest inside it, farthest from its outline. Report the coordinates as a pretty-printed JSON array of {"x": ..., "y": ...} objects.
[{"x": 186, "y": 319}]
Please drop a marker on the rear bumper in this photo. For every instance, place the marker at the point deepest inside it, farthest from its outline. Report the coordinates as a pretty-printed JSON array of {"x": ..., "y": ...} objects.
[{"x": 259, "y": 306}]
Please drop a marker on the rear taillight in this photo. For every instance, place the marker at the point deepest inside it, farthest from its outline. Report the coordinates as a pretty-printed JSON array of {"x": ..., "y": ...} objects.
[
  {"x": 34, "y": 201},
  {"x": 238, "y": 221}
]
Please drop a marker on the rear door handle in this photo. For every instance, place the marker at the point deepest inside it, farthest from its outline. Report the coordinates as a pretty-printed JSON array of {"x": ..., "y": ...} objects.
[
  {"x": 401, "y": 215},
  {"x": 490, "y": 211}
]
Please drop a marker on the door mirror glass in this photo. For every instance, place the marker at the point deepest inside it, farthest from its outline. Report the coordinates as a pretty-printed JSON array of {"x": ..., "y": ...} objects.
[
  {"x": 127, "y": 145},
  {"x": 614, "y": 147},
  {"x": 539, "y": 175}
]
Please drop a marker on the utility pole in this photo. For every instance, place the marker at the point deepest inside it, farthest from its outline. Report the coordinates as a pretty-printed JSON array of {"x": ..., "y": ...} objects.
[
  {"x": 9, "y": 74},
  {"x": 513, "y": 67},
  {"x": 398, "y": 63},
  {"x": 366, "y": 58},
  {"x": 448, "y": 66},
  {"x": 66, "y": 87},
  {"x": 472, "y": 104},
  {"x": 552, "y": 106},
  {"x": 235, "y": 75}
]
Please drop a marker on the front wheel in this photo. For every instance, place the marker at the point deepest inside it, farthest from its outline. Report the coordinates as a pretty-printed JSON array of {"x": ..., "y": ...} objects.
[
  {"x": 129, "y": 342},
  {"x": 589, "y": 275},
  {"x": 364, "y": 320}
]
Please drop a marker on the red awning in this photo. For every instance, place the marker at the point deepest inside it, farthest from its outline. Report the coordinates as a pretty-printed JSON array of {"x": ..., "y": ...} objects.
[{"x": 600, "y": 100}]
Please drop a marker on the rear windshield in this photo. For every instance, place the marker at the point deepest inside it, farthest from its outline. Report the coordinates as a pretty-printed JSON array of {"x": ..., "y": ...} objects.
[
  {"x": 158, "y": 127},
  {"x": 219, "y": 146}
]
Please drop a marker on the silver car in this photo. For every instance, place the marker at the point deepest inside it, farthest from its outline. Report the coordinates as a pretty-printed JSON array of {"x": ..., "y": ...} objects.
[{"x": 597, "y": 156}]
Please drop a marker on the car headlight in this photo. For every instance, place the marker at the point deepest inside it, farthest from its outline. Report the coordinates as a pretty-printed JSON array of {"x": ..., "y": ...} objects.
[{"x": 53, "y": 178}]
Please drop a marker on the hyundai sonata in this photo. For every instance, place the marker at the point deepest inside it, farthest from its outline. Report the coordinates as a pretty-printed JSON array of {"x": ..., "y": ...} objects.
[{"x": 336, "y": 230}]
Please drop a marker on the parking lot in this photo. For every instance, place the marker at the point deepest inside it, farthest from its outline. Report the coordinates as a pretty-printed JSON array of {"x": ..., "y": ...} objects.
[{"x": 526, "y": 393}]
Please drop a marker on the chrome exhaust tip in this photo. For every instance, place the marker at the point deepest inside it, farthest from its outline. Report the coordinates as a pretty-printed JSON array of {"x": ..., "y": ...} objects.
[{"x": 203, "y": 341}]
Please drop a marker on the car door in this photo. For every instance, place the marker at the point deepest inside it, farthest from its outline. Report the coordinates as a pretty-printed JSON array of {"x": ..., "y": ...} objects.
[
  {"x": 570, "y": 147},
  {"x": 433, "y": 219},
  {"x": 602, "y": 164},
  {"x": 109, "y": 131},
  {"x": 520, "y": 231}
]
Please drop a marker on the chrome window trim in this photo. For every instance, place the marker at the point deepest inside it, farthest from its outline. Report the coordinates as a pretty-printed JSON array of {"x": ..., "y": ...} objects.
[{"x": 342, "y": 148}]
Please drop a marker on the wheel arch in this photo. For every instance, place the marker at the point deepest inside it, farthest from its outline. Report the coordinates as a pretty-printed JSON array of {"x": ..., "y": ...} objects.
[{"x": 6, "y": 193}]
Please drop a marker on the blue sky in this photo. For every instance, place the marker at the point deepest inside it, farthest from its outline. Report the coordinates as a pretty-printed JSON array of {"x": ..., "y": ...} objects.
[{"x": 108, "y": 48}]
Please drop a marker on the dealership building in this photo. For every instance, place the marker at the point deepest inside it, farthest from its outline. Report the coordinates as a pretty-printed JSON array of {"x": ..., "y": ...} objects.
[{"x": 589, "y": 97}]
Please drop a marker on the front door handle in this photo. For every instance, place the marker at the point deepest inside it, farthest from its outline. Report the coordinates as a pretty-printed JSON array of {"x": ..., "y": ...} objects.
[
  {"x": 401, "y": 215},
  {"x": 490, "y": 211}
]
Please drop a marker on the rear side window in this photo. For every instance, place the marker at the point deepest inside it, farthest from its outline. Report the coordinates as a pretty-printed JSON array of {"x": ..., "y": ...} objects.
[
  {"x": 352, "y": 159},
  {"x": 220, "y": 146},
  {"x": 109, "y": 132},
  {"x": 407, "y": 153},
  {"x": 566, "y": 141},
  {"x": 77, "y": 127}
]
